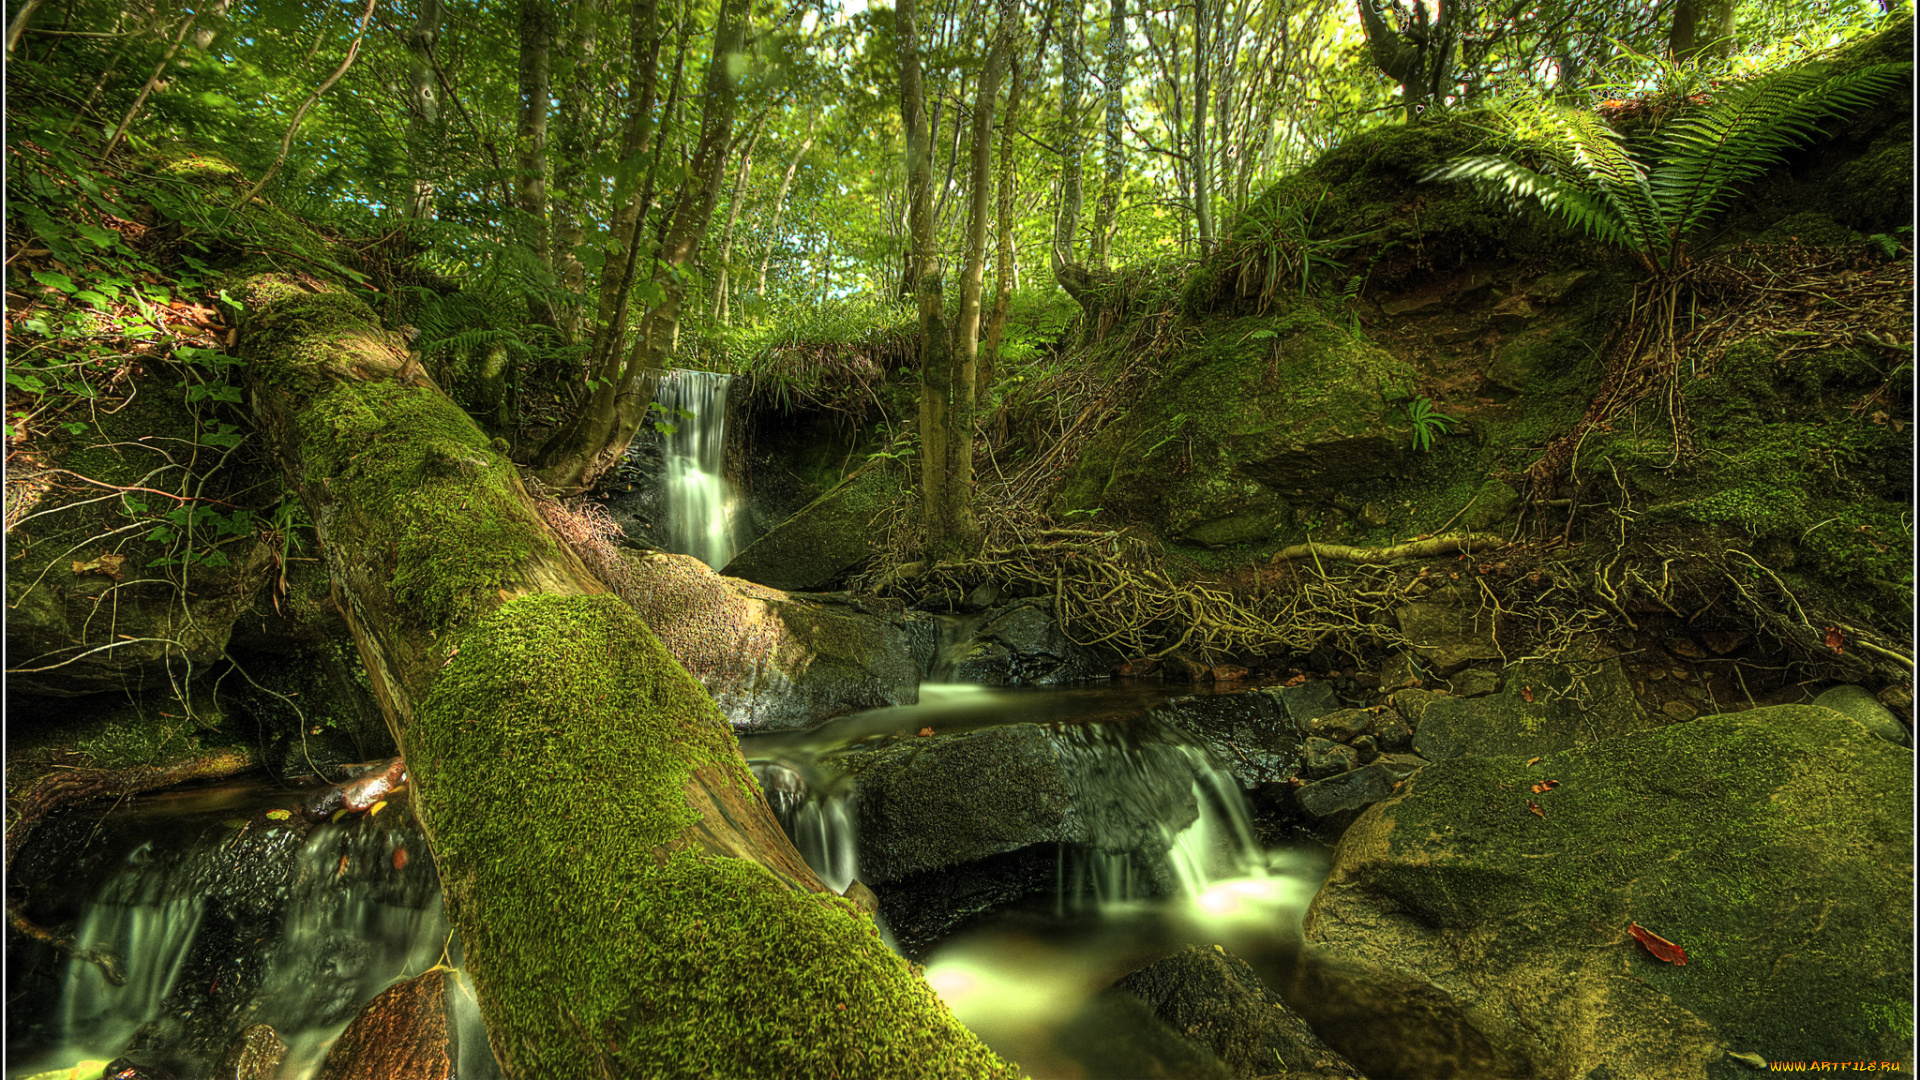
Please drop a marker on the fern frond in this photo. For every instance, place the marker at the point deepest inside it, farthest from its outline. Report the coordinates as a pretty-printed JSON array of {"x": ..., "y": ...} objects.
[
  {"x": 1599, "y": 157},
  {"x": 1518, "y": 185},
  {"x": 1748, "y": 129}
]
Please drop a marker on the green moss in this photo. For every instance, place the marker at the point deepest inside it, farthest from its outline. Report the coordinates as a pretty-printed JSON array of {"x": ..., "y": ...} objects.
[
  {"x": 563, "y": 739},
  {"x": 1756, "y": 839}
]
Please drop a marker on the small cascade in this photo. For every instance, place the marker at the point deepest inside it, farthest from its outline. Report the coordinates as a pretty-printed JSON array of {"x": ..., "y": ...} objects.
[
  {"x": 699, "y": 501},
  {"x": 820, "y": 826}
]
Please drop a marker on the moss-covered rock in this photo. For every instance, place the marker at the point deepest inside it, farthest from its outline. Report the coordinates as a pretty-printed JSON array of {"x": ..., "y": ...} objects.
[
  {"x": 1545, "y": 707},
  {"x": 829, "y": 536},
  {"x": 1218, "y": 1002},
  {"x": 1259, "y": 413},
  {"x": 769, "y": 661},
  {"x": 1774, "y": 846}
]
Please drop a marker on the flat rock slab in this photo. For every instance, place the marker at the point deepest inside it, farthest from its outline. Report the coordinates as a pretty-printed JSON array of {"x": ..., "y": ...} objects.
[
  {"x": 1775, "y": 846},
  {"x": 830, "y": 536},
  {"x": 1217, "y": 1001},
  {"x": 1543, "y": 708}
]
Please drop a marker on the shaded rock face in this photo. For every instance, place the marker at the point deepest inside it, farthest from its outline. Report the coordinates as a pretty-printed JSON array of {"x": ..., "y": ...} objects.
[
  {"x": 1543, "y": 708},
  {"x": 1013, "y": 644},
  {"x": 829, "y": 537},
  {"x": 400, "y": 1035},
  {"x": 771, "y": 662},
  {"x": 1449, "y": 630},
  {"x": 1859, "y": 704},
  {"x": 1493, "y": 942},
  {"x": 1216, "y": 1001}
]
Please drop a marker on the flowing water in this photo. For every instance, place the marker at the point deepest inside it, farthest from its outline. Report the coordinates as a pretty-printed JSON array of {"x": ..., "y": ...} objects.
[{"x": 699, "y": 501}]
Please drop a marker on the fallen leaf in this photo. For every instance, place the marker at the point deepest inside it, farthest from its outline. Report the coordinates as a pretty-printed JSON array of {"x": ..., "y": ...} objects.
[
  {"x": 108, "y": 565},
  {"x": 1660, "y": 947},
  {"x": 925, "y": 731},
  {"x": 1751, "y": 1061},
  {"x": 451, "y": 653},
  {"x": 374, "y": 810},
  {"x": 279, "y": 815},
  {"x": 1296, "y": 680},
  {"x": 1534, "y": 809},
  {"x": 399, "y": 858},
  {"x": 1532, "y": 761},
  {"x": 1526, "y": 694},
  {"x": 1545, "y": 786},
  {"x": 1834, "y": 638}
]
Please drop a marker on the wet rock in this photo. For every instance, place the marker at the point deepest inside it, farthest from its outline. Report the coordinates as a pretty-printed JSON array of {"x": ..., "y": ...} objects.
[
  {"x": 1493, "y": 943},
  {"x": 1366, "y": 748},
  {"x": 1492, "y": 504},
  {"x": 1412, "y": 704},
  {"x": 922, "y": 910},
  {"x": 1545, "y": 707},
  {"x": 943, "y": 801},
  {"x": 400, "y": 1035},
  {"x": 1309, "y": 700},
  {"x": 1474, "y": 682},
  {"x": 253, "y": 1056},
  {"x": 1389, "y": 732},
  {"x": 830, "y": 536},
  {"x": 1341, "y": 725},
  {"x": 862, "y": 897},
  {"x": 1448, "y": 629},
  {"x": 1399, "y": 671},
  {"x": 1556, "y": 287},
  {"x": 1215, "y": 1000},
  {"x": 1020, "y": 644},
  {"x": 1347, "y": 793},
  {"x": 1249, "y": 733},
  {"x": 1858, "y": 704},
  {"x": 1117, "y": 1034},
  {"x": 771, "y": 661},
  {"x": 1323, "y": 758}
]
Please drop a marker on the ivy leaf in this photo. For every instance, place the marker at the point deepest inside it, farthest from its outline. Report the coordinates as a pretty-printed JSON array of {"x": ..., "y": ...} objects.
[{"x": 59, "y": 281}]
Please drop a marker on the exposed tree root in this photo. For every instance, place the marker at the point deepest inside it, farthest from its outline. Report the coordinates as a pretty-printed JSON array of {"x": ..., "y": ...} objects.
[
  {"x": 108, "y": 963},
  {"x": 30, "y": 803},
  {"x": 1413, "y": 549}
]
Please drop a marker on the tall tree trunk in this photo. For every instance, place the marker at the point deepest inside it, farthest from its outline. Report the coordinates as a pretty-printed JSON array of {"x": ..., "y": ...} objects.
[
  {"x": 780, "y": 203},
  {"x": 423, "y": 120},
  {"x": 1202, "y": 172},
  {"x": 1702, "y": 29},
  {"x": 1114, "y": 174},
  {"x": 935, "y": 371},
  {"x": 606, "y": 856},
  {"x": 1420, "y": 59},
  {"x": 530, "y": 130},
  {"x": 733, "y": 216},
  {"x": 583, "y": 71},
  {"x": 1066, "y": 221},
  {"x": 1005, "y": 271},
  {"x": 963, "y": 528},
  {"x": 581, "y": 452}
]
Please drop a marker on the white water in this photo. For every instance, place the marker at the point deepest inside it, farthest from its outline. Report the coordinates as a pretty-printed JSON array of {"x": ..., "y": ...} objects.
[{"x": 700, "y": 502}]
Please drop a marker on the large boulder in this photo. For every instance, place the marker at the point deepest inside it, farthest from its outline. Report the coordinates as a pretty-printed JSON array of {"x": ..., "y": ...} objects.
[
  {"x": 830, "y": 536},
  {"x": 1014, "y": 644},
  {"x": 1774, "y": 846},
  {"x": 770, "y": 661},
  {"x": 1260, "y": 417},
  {"x": 1543, "y": 707}
]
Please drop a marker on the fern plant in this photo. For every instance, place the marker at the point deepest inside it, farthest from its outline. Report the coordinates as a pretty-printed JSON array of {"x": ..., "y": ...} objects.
[{"x": 1657, "y": 204}]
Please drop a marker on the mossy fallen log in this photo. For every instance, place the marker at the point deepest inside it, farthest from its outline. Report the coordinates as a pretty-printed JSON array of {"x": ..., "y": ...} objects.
[
  {"x": 628, "y": 905},
  {"x": 1413, "y": 549}
]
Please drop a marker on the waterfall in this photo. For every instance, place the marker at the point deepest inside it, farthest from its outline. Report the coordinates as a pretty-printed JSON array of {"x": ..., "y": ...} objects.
[
  {"x": 699, "y": 501},
  {"x": 819, "y": 825}
]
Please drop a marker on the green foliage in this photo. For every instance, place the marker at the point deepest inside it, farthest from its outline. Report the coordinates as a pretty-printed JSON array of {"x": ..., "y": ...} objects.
[
  {"x": 1657, "y": 202},
  {"x": 1282, "y": 248},
  {"x": 1427, "y": 424}
]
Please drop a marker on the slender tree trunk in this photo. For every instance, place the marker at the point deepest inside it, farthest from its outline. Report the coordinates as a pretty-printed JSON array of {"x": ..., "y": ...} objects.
[
  {"x": 22, "y": 18},
  {"x": 299, "y": 114},
  {"x": 1066, "y": 221},
  {"x": 153, "y": 82},
  {"x": 606, "y": 857},
  {"x": 1702, "y": 29},
  {"x": 423, "y": 120},
  {"x": 583, "y": 71},
  {"x": 733, "y": 216},
  {"x": 1004, "y": 268},
  {"x": 780, "y": 203},
  {"x": 1114, "y": 174},
  {"x": 935, "y": 371},
  {"x": 530, "y": 131},
  {"x": 1202, "y": 182}
]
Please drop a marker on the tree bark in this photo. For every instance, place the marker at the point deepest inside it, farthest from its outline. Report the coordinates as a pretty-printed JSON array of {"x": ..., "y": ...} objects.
[
  {"x": 1066, "y": 221},
  {"x": 583, "y": 71},
  {"x": 1004, "y": 268},
  {"x": 921, "y": 277},
  {"x": 1420, "y": 59},
  {"x": 780, "y": 203},
  {"x": 1202, "y": 188},
  {"x": 530, "y": 129},
  {"x": 613, "y": 871},
  {"x": 1702, "y": 29},
  {"x": 1114, "y": 173},
  {"x": 423, "y": 120},
  {"x": 733, "y": 216}
]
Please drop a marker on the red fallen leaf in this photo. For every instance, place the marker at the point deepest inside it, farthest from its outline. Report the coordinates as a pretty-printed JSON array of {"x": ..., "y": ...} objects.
[
  {"x": 925, "y": 731},
  {"x": 1660, "y": 947},
  {"x": 1296, "y": 680},
  {"x": 1835, "y": 640},
  {"x": 1526, "y": 694},
  {"x": 1545, "y": 786},
  {"x": 399, "y": 858},
  {"x": 1534, "y": 809}
]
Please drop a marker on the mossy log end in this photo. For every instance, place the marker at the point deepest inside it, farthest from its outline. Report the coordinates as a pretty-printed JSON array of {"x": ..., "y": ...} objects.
[{"x": 628, "y": 905}]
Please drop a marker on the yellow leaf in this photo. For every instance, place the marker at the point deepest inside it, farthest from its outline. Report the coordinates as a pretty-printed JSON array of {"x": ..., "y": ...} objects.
[
  {"x": 374, "y": 810},
  {"x": 279, "y": 815}
]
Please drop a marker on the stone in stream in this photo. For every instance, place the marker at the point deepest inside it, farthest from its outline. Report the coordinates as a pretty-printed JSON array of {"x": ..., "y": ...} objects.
[
  {"x": 400, "y": 1035},
  {"x": 252, "y": 1056},
  {"x": 1216, "y": 1001},
  {"x": 1019, "y": 644},
  {"x": 1544, "y": 707},
  {"x": 1460, "y": 935},
  {"x": 1859, "y": 704},
  {"x": 771, "y": 661},
  {"x": 1337, "y": 800}
]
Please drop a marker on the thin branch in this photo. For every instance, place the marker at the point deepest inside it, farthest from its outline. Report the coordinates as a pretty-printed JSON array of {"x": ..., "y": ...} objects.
[{"x": 300, "y": 114}]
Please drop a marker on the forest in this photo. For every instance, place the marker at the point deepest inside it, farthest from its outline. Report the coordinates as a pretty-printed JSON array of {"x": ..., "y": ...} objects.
[{"x": 1223, "y": 538}]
